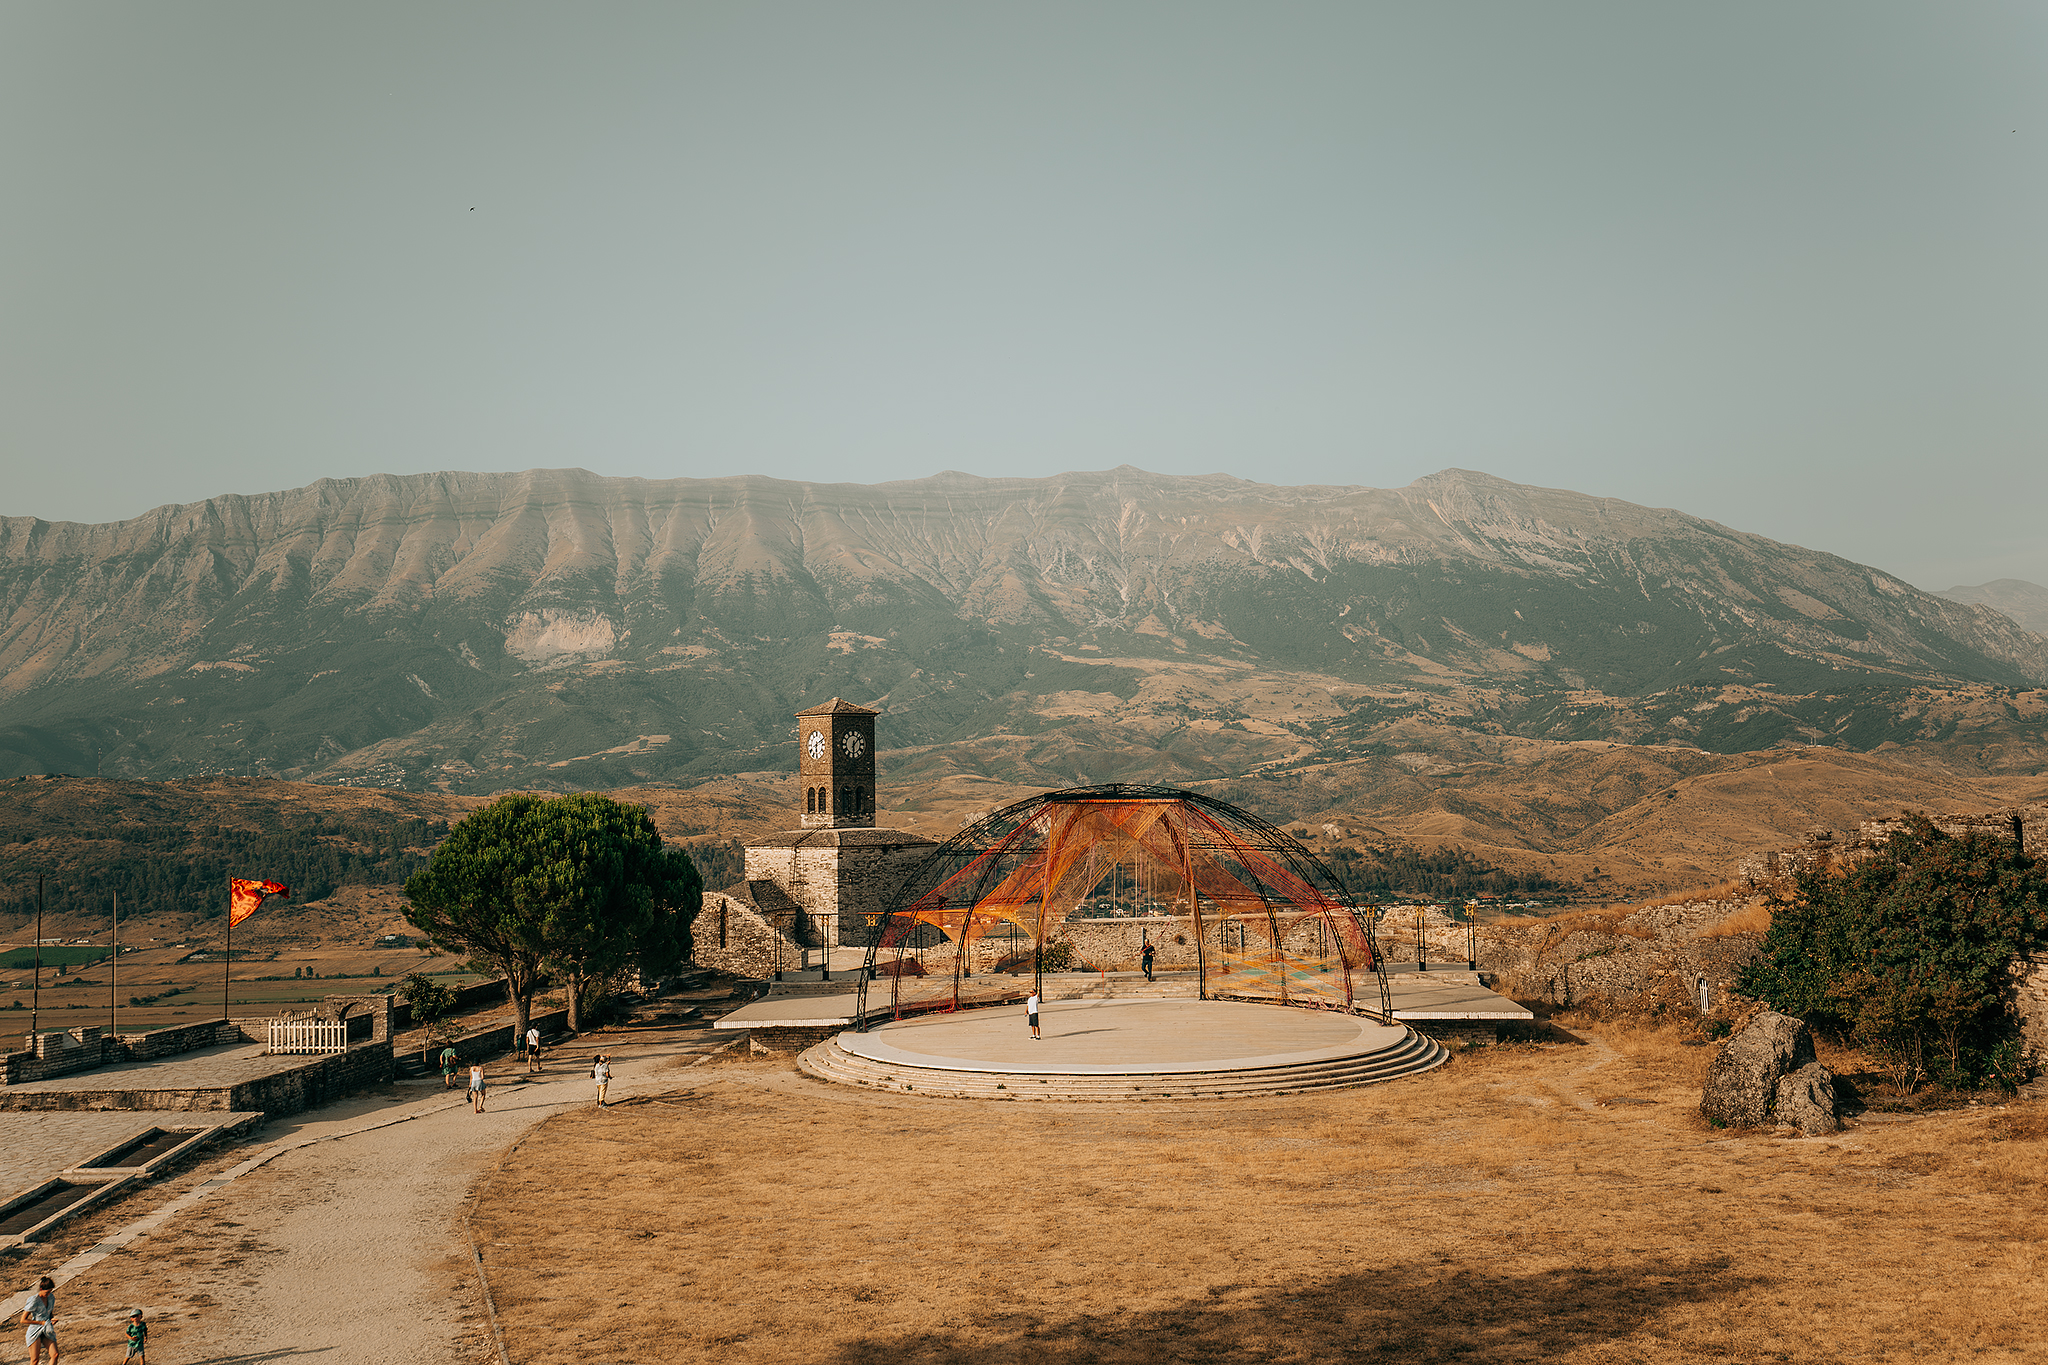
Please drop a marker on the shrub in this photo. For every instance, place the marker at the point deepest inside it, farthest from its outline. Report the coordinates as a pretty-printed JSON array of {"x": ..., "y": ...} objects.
[{"x": 1910, "y": 953}]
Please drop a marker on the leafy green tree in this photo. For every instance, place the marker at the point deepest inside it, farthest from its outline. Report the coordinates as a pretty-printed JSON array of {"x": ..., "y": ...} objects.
[
  {"x": 580, "y": 885},
  {"x": 430, "y": 1002},
  {"x": 616, "y": 898},
  {"x": 1910, "y": 951}
]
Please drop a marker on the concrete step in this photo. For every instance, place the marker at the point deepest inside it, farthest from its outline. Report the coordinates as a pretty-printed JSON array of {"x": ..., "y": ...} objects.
[{"x": 1412, "y": 1056}]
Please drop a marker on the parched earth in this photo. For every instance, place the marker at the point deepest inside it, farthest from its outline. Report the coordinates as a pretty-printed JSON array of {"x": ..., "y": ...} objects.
[{"x": 1558, "y": 1202}]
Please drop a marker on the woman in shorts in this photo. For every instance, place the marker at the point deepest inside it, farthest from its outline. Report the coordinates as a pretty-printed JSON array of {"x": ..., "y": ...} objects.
[
  {"x": 476, "y": 1089},
  {"x": 40, "y": 1314}
]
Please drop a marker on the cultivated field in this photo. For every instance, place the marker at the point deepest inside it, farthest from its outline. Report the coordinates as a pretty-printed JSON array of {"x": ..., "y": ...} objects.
[{"x": 1552, "y": 1202}]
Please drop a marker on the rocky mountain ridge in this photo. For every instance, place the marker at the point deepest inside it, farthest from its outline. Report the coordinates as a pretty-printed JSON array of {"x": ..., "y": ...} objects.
[{"x": 479, "y": 631}]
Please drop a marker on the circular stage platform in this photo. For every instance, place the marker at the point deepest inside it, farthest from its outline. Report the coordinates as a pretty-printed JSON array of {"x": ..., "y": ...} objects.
[{"x": 1124, "y": 1050}]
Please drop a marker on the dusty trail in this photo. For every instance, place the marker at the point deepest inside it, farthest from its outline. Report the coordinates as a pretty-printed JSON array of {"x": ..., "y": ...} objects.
[{"x": 350, "y": 1250}]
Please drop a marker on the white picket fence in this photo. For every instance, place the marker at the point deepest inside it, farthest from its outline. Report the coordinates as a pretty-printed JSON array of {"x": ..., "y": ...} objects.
[{"x": 308, "y": 1035}]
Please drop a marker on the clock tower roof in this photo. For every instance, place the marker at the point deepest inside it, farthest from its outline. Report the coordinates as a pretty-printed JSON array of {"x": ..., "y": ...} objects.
[{"x": 836, "y": 707}]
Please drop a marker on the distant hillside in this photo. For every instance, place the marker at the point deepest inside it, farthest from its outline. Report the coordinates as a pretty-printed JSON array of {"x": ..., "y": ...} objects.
[
  {"x": 473, "y": 632},
  {"x": 2024, "y": 602}
]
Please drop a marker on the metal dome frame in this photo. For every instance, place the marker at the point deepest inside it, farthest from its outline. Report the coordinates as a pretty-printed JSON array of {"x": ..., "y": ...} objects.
[{"x": 1029, "y": 866}]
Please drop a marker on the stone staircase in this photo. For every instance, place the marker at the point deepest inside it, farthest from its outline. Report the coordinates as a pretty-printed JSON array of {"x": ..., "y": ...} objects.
[{"x": 1412, "y": 1056}]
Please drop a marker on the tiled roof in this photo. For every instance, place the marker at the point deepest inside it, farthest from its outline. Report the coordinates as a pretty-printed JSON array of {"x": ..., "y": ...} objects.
[{"x": 837, "y": 707}]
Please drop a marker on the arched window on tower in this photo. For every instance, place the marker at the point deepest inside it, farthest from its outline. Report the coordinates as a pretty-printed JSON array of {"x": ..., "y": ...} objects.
[
  {"x": 845, "y": 799},
  {"x": 810, "y": 800}
]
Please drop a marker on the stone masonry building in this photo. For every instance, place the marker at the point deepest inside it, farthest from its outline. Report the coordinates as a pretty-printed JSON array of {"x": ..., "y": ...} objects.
[{"x": 825, "y": 882}]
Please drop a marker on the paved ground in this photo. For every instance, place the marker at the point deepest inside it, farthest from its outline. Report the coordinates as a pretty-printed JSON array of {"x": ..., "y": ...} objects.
[
  {"x": 1111, "y": 1034},
  {"x": 348, "y": 1250},
  {"x": 204, "y": 1068},
  {"x": 34, "y": 1147}
]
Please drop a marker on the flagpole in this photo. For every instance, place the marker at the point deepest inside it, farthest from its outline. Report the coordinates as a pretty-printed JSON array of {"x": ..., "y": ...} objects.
[
  {"x": 229, "y": 964},
  {"x": 35, "y": 997},
  {"x": 114, "y": 969}
]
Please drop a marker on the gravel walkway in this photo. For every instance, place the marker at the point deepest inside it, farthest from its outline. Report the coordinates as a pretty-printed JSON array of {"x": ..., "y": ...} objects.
[{"x": 342, "y": 1236}]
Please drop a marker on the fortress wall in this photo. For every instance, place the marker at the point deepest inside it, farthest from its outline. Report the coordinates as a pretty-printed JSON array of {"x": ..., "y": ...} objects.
[
  {"x": 729, "y": 936},
  {"x": 1653, "y": 953}
]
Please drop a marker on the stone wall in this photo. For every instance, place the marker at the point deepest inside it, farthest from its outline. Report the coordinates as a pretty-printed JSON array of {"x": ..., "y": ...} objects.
[
  {"x": 731, "y": 936},
  {"x": 2032, "y": 1005},
  {"x": 466, "y": 998},
  {"x": 1655, "y": 953},
  {"x": 61, "y": 1052},
  {"x": 844, "y": 879},
  {"x": 169, "y": 1042},
  {"x": 321, "y": 1080}
]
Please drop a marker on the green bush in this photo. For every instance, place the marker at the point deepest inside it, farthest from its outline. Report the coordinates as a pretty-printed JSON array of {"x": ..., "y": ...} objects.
[{"x": 1910, "y": 954}]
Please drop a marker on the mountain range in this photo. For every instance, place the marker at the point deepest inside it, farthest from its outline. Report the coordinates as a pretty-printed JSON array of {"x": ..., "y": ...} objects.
[
  {"x": 1567, "y": 680},
  {"x": 557, "y": 628}
]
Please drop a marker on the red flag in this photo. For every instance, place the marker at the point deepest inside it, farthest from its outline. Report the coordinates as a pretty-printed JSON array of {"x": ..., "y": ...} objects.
[{"x": 244, "y": 896}]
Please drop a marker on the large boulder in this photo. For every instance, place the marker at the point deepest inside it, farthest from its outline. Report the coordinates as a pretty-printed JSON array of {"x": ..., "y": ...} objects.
[
  {"x": 1806, "y": 1100},
  {"x": 1742, "y": 1085}
]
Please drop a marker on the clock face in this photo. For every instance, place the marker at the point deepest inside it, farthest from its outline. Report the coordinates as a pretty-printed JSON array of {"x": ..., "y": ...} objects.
[
  {"x": 854, "y": 744},
  {"x": 817, "y": 744}
]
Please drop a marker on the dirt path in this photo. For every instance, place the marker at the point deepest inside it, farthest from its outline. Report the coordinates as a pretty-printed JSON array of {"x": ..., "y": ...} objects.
[{"x": 349, "y": 1250}]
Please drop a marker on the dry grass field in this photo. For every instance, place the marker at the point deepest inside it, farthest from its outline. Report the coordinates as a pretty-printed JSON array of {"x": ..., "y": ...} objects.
[{"x": 1535, "y": 1202}]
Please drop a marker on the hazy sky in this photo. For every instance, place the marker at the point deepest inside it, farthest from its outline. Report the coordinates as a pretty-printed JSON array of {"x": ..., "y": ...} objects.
[{"x": 1784, "y": 265}]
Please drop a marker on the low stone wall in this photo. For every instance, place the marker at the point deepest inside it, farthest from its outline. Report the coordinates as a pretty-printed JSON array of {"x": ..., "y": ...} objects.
[
  {"x": 169, "y": 1042},
  {"x": 485, "y": 1043},
  {"x": 62, "y": 1052},
  {"x": 466, "y": 998},
  {"x": 1656, "y": 953},
  {"x": 321, "y": 1080}
]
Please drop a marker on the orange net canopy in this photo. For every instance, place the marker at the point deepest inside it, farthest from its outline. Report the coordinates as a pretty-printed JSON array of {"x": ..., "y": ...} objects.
[{"x": 1248, "y": 908}]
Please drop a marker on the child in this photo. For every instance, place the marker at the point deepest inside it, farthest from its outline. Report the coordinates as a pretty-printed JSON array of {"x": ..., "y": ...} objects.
[
  {"x": 40, "y": 1313},
  {"x": 138, "y": 1338}
]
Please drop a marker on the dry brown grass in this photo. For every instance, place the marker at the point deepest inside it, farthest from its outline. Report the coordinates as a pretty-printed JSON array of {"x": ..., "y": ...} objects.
[
  {"x": 1754, "y": 918},
  {"x": 1555, "y": 1203},
  {"x": 1719, "y": 891}
]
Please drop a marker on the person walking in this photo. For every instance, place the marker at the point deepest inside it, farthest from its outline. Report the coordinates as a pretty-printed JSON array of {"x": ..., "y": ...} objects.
[
  {"x": 1146, "y": 956},
  {"x": 40, "y": 1313},
  {"x": 601, "y": 1073},
  {"x": 1031, "y": 1013},
  {"x": 533, "y": 1049},
  {"x": 138, "y": 1340},
  {"x": 448, "y": 1061},
  {"x": 476, "y": 1089}
]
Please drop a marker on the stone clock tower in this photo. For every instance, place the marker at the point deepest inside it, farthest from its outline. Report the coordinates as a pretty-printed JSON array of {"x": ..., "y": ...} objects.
[
  {"x": 836, "y": 765},
  {"x": 824, "y": 884}
]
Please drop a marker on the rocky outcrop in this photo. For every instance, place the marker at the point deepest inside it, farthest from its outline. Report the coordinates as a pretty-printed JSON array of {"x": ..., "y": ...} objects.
[
  {"x": 1806, "y": 1100},
  {"x": 1743, "y": 1086}
]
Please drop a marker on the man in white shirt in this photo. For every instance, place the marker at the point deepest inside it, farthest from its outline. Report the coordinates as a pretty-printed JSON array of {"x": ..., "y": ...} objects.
[
  {"x": 601, "y": 1072},
  {"x": 1031, "y": 1013}
]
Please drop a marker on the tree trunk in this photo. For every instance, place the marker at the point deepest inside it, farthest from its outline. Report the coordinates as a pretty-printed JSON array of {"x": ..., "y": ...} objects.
[
  {"x": 520, "y": 988},
  {"x": 573, "y": 986}
]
